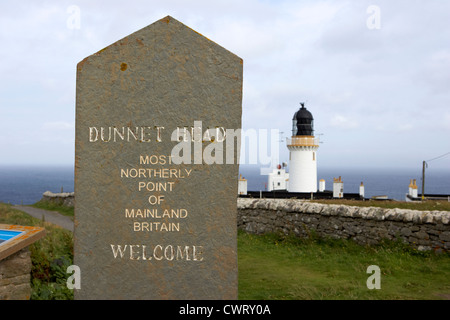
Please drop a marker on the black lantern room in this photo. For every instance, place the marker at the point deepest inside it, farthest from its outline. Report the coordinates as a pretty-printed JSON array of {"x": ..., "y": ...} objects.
[{"x": 303, "y": 122}]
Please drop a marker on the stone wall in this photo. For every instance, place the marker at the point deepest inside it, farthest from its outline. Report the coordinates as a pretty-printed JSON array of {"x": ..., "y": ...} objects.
[
  {"x": 66, "y": 198},
  {"x": 424, "y": 230},
  {"x": 15, "y": 276}
]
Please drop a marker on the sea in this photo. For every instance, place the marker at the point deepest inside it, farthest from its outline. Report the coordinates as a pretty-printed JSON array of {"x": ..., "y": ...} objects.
[{"x": 26, "y": 184}]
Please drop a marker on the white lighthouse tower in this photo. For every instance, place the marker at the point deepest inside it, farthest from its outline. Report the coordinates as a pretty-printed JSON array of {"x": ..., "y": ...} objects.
[{"x": 302, "y": 153}]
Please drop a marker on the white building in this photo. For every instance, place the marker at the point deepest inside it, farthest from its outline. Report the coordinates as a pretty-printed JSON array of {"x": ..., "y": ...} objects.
[
  {"x": 338, "y": 188},
  {"x": 321, "y": 185},
  {"x": 278, "y": 179},
  {"x": 242, "y": 185},
  {"x": 302, "y": 153},
  {"x": 412, "y": 188},
  {"x": 361, "y": 190}
]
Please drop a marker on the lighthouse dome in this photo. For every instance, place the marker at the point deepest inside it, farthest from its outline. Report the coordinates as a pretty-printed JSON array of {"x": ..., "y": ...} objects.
[{"x": 303, "y": 122}]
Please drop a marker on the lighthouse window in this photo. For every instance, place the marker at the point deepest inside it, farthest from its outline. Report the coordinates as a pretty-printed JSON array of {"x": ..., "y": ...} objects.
[
  {"x": 278, "y": 184},
  {"x": 314, "y": 156},
  {"x": 278, "y": 172}
]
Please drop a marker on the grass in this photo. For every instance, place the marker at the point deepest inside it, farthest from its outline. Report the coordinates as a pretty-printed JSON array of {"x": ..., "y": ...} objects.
[
  {"x": 275, "y": 267},
  {"x": 427, "y": 205},
  {"x": 279, "y": 267},
  {"x": 51, "y": 206}
]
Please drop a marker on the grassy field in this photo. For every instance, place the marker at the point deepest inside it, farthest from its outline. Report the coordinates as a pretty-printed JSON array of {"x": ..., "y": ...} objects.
[
  {"x": 288, "y": 268},
  {"x": 276, "y": 267}
]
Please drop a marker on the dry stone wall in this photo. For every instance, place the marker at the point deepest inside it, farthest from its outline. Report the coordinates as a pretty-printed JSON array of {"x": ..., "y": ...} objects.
[
  {"x": 15, "y": 276},
  {"x": 65, "y": 198},
  {"x": 424, "y": 230}
]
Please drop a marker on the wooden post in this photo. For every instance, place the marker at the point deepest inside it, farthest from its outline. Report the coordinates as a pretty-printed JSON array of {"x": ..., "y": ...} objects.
[{"x": 423, "y": 180}]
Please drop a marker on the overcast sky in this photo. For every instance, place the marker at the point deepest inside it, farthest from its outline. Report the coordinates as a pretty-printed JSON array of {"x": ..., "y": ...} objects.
[{"x": 375, "y": 74}]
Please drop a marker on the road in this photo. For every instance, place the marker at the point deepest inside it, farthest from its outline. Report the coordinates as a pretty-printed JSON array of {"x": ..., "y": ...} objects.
[{"x": 49, "y": 216}]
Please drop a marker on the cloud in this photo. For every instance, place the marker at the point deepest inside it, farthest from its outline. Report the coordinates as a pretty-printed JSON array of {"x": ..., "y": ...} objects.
[
  {"x": 342, "y": 122},
  {"x": 435, "y": 72},
  {"x": 405, "y": 127},
  {"x": 58, "y": 126},
  {"x": 392, "y": 79}
]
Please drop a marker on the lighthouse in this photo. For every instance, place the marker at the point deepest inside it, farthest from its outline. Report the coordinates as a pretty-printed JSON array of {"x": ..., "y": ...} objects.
[{"x": 302, "y": 153}]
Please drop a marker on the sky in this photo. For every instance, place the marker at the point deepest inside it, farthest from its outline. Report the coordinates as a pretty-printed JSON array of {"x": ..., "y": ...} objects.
[{"x": 374, "y": 74}]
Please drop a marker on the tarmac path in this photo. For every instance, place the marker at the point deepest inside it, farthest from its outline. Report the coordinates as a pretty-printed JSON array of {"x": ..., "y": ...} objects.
[{"x": 49, "y": 216}]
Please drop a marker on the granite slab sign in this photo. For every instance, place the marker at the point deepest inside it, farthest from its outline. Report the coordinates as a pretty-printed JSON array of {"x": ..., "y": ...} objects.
[{"x": 158, "y": 119}]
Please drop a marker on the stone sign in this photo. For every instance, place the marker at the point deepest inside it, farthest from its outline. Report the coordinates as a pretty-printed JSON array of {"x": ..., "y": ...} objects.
[{"x": 158, "y": 118}]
